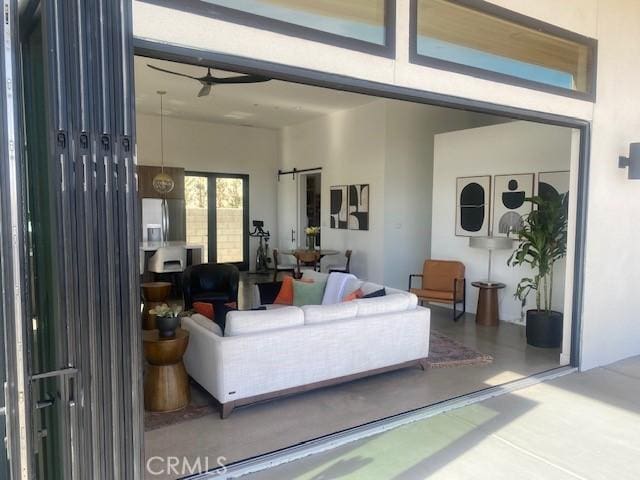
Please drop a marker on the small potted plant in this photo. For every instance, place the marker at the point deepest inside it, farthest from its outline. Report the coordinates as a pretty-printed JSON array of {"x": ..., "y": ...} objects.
[
  {"x": 166, "y": 319},
  {"x": 543, "y": 241},
  {"x": 312, "y": 233}
]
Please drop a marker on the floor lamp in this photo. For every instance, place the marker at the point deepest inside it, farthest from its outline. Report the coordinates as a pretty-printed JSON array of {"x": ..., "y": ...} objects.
[{"x": 491, "y": 244}]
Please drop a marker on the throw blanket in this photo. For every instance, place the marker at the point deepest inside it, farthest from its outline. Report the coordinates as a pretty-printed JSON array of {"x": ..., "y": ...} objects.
[{"x": 334, "y": 292}]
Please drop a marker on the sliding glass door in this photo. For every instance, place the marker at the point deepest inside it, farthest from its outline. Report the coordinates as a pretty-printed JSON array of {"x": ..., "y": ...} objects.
[{"x": 218, "y": 216}]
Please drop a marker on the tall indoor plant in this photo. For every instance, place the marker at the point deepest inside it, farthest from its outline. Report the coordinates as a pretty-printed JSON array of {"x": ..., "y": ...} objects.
[{"x": 543, "y": 241}]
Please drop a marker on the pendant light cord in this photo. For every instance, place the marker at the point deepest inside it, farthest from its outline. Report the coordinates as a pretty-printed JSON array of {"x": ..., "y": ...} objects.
[{"x": 161, "y": 134}]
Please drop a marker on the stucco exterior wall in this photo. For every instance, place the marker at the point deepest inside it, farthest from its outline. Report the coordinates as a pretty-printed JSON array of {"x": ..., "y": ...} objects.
[{"x": 610, "y": 329}]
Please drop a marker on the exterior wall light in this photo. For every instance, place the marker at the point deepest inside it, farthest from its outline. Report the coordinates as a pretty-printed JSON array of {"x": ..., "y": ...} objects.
[{"x": 632, "y": 161}]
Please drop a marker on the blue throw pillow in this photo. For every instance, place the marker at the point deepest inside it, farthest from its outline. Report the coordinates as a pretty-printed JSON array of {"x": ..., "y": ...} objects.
[
  {"x": 305, "y": 293},
  {"x": 378, "y": 293}
]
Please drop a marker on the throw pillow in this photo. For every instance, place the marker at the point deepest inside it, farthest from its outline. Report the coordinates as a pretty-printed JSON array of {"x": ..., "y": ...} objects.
[
  {"x": 353, "y": 295},
  {"x": 205, "y": 309},
  {"x": 269, "y": 292},
  {"x": 378, "y": 293},
  {"x": 305, "y": 293},
  {"x": 285, "y": 295}
]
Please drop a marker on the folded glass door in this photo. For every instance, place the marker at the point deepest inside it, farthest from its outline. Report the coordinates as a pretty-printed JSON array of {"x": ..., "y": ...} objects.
[{"x": 218, "y": 216}]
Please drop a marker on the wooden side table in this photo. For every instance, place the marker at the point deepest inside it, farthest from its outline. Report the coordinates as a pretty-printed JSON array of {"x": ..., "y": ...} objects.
[
  {"x": 487, "y": 312},
  {"x": 166, "y": 384},
  {"x": 154, "y": 294}
]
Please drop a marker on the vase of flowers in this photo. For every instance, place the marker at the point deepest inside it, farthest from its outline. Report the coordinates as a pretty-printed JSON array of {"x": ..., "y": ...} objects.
[
  {"x": 166, "y": 319},
  {"x": 312, "y": 233}
]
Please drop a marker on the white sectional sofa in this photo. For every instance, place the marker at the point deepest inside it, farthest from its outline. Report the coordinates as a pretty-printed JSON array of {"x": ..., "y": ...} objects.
[{"x": 268, "y": 353}]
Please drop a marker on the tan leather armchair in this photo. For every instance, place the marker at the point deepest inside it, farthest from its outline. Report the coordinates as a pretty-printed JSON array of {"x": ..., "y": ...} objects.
[{"x": 442, "y": 282}]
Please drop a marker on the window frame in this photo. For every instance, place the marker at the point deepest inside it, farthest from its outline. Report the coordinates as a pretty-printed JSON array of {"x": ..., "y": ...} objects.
[
  {"x": 232, "y": 15},
  {"x": 501, "y": 13}
]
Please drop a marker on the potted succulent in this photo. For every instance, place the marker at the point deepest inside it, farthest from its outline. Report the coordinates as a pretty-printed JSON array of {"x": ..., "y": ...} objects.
[
  {"x": 543, "y": 241},
  {"x": 166, "y": 319},
  {"x": 311, "y": 232}
]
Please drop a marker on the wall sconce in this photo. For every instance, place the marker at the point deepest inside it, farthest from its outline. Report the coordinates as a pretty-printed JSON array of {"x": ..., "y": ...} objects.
[{"x": 632, "y": 161}]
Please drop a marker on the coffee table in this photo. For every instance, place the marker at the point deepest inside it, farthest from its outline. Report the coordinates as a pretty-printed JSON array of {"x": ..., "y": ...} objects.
[{"x": 166, "y": 384}]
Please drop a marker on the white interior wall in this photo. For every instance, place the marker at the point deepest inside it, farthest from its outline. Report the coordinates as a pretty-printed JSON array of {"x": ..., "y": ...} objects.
[
  {"x": 350, "y": 148},
  {"x": 220, "y": 148},
  {"x": 516, "y": 147}
]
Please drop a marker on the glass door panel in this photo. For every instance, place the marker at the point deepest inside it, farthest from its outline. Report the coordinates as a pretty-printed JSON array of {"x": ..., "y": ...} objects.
[
  {"x": 197, "y": 205},
  {"x": 230, "y": 220}
]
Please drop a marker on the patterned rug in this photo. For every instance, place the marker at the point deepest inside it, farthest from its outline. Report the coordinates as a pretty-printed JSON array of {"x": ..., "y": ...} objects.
[
  {"x": 443, "y": 352},
  {"x": 447, "y": 352}
]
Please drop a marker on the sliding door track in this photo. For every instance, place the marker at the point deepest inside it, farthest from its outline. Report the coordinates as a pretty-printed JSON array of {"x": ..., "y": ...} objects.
[{"x": 329, "y": 442}]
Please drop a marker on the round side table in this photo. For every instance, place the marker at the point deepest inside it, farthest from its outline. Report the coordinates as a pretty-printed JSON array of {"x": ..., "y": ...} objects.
[
  {"x": 166, "y": 385},
  {"x": 487, "y": 312},
  {"x": 154, "y": 294}
]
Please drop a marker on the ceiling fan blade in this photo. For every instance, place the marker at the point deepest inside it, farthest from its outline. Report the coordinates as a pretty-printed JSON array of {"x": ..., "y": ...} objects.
[
  {"x": 240, "y": 79},
  {"x": 204, "y": 91},
  {"x": 172, "y": 73}
]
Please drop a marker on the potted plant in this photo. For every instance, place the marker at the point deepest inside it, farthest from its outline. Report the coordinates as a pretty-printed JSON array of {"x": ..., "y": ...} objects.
[
  {"x": 311, "y": 232},
  {"x": 166, "y": 319},
  {"x": 543, "y": 241}
]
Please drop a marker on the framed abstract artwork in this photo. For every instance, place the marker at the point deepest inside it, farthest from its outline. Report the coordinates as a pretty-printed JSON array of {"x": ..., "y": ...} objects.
[
  {"x": 472, "y": 206},
  {"x": 359, "y": 207},
  {"x": 339, "y": 206},
  {"x": 509, "y": 205},
  {"x": 550, "y": 183}
]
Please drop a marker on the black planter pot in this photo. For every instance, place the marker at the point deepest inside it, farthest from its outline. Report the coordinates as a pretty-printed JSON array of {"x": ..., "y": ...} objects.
[
  {"x": 544, "y": 329},
  {"x": 167, "y": 326}
]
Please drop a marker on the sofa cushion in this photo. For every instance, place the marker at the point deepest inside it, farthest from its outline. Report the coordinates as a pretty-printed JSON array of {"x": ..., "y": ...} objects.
[
  {"x": 206, "y": 323},
  {"x": 377, "y": 293},
  {"x": 329, "y": 313},
  {"x": 204, "y": 308},
  {"x": 268, "y": 292},
  {"x": 245, "y": 322},
  {"x": 308, "y": 293},
  {"x": 379, "y": 305}
]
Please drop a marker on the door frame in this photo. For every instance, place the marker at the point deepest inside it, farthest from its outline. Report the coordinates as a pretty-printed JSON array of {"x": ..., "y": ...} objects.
[
  {"x": 212, "y": 215},
  {"x": 224, "y": 61}
]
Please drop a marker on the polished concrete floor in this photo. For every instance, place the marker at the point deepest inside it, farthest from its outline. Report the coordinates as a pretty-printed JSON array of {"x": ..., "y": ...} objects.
[
  {"x": 580, "y": 426},
  {"x": 266, "y": 427}
]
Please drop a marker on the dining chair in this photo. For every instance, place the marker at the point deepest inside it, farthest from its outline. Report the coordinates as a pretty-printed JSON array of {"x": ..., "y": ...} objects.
[
  {"x": 342, "y": 268},
  {"x": 306, "y": 260},
  {"x": 280, "y": 267}
]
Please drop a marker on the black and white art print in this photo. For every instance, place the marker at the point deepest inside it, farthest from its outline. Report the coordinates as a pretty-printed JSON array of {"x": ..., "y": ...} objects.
[
  {"x": 553, "y": 183},
  {"x": 509, "y": 205},
  {"x": 472, "y": 206},
  {"x": 339, "y": 206},
  {"x": 359, "y": 207}
]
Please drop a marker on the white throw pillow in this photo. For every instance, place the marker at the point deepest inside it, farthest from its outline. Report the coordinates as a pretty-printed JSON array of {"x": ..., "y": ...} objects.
[
  {"x": 204, "y": 322},
  {"x": 379, "y": 305},
  {"x": 329, "y": 313},
  {"x": 253, "y": 321}
]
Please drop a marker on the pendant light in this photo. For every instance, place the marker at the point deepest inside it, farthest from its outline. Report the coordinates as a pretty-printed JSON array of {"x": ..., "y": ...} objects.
[{"x": 162, "y": 182}]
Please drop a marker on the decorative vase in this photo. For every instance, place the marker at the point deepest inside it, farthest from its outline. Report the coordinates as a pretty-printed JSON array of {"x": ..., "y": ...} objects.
[
  {"x": 167, "y": 326},
  {"x": 311, "y": 242},
  {"x": 544, "y": 329}
]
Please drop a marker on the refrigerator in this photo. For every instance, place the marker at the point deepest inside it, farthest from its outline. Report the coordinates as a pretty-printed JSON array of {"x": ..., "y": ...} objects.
[{"x": 170, "y": 214}]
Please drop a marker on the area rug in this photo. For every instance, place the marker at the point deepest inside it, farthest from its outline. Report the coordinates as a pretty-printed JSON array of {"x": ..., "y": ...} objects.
[
  {"x": 153, "y": 421},
  {"x": 447, "y": 352}
]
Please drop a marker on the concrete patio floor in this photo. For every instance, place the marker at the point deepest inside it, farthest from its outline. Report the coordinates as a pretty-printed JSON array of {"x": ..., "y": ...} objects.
[{"x": 583, "y": 425}]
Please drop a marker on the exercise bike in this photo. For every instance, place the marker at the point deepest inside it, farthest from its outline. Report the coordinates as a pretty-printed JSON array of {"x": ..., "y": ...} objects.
[{"x": 262, "y": 254}]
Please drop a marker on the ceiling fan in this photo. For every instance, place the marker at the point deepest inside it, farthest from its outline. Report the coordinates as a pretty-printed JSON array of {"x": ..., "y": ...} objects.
[{"x": 209, "y": 80}]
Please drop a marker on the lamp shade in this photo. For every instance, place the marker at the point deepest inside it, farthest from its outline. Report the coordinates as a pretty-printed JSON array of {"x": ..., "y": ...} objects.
[{"x": 491, "y": 243}]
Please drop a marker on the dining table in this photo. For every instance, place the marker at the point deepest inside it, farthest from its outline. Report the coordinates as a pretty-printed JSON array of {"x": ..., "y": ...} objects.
[{"x": 323, "y": 251}]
